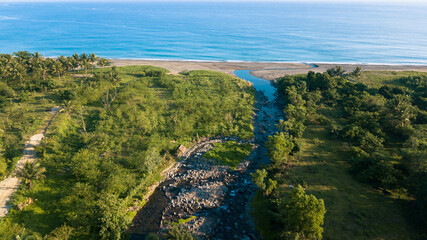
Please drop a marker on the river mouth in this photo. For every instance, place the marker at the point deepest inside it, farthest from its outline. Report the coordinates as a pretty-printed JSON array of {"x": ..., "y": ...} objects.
[{"x": 215, "y": 197}]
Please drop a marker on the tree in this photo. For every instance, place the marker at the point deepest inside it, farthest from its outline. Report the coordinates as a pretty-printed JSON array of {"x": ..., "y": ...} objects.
[
  {"x": 293, "y": 127},
  {"x": 29, "y": 172},
  {"x": 296, "y": 113},
  {"x": 57, "y": 68},
  {"x": 103, "y": 62},
  {"x": 357, "y": 71},
  {"x": 4, "y": 69},
  {"x": 73, "y": 63},
  {"x": 93, "y": 58},
  {"x": 111, "y": 216},
  {"x": 301, "y": 215},
  {"x": 36, "y": 59},
  {"x": 279, "y": 147},
  {"x": 17, "y": 71},
  {"x": 400, "y": 111},
  {"x": 61, "y": 233},
  {"x": 258, "y": 178},
  {"x": 23, "y": 56},
  {"x": 66, "y": 65},
  {"x": 77, "y": 61},
  {"x": 84, "y": 60},
  {"x": 43, "y": 67},
  {"x": 338, "y": 71},
  {"x": 113, "y": 76}
]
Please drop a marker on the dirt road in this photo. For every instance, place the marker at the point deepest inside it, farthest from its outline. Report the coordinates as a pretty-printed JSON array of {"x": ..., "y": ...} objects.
[{"x": 9, "y": 185}]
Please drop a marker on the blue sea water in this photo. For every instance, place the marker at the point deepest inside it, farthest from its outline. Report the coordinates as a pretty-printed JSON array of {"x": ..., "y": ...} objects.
[{"x": 220, "y": 31}]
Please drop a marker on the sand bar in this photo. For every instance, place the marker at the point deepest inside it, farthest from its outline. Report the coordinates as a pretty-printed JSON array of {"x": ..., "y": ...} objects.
[{"x": 267, "y": 70}]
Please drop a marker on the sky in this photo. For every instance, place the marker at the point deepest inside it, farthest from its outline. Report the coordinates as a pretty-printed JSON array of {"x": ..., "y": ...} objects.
[{"x": 318, "y": 1}]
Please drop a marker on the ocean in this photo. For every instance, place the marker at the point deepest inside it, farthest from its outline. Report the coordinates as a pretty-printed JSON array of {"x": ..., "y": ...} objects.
[{"x": 220, "y": 31}]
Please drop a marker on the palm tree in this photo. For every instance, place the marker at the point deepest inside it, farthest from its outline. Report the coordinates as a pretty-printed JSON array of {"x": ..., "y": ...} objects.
[
  {"x": 43, "y": 68},
  {"x": 84, "y": 60},
  {"x": 4, "y": 69},
  {"x": 36, "y": 59},
  {"x": 77, "y": 60},
  {"x": 93, "y": 58},
  {"x": 338, "y": 71},
  {"x": 73, "y": 63},
  {"x": 103, "y": 62},
  {"x": 357, "y": 71},
  {"x": 57, "y": 68},
  {"x": 17, "y": 71},
  {"x": 29, "y": 172},
  {"x": 8, "y": 58}
]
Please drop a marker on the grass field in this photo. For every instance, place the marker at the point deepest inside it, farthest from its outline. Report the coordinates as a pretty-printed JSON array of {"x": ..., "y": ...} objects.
[
  {"x": 229, "y": 153},
  {"x": 379, "y": 78},
  {"x": 354, "y": 210}
]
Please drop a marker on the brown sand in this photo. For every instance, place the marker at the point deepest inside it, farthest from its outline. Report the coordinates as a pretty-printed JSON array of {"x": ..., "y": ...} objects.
[{"x": 265, "y": 70}]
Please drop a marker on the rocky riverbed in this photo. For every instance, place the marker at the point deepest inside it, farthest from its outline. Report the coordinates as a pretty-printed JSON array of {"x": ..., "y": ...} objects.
[{"x": 218, "y": 197}]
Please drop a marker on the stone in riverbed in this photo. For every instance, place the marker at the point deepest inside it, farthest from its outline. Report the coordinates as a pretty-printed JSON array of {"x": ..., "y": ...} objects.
[{"x": 180, "y": 151}]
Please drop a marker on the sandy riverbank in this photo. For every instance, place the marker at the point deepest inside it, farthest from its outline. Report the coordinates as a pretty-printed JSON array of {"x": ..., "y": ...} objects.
[{"x": 267, "y": 70}]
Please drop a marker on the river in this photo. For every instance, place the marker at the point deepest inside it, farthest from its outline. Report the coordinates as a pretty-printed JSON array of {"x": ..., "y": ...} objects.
[{"x": 217, "y": 196}]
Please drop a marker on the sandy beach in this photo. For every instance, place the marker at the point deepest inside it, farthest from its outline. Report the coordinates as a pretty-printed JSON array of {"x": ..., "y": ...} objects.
[{"x": 266, "y": 70}]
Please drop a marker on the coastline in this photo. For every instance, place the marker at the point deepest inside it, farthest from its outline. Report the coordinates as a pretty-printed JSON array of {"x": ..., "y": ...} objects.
[{"x": 266, "y": 70}]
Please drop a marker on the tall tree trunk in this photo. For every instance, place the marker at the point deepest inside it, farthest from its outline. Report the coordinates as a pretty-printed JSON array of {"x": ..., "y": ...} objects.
[{"x": 83, "y": 120}]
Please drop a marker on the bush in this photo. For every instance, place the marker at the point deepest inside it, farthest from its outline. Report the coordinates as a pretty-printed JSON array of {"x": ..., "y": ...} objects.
[
  {"x": 293, "y": 127},
  {"x": 279, "y": 147},
  {"x": 3, "y": 167},
  {"x": 179, "y": 232},
  {"x": 301, "y": 215},
  {"x": 377, "y": 172}
]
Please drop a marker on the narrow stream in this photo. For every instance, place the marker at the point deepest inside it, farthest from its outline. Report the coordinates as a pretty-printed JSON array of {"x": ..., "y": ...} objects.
[{"x": 217, "y": 196}]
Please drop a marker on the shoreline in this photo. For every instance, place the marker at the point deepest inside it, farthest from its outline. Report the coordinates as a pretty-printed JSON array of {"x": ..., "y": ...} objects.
[{"x": 266, "y": 70}]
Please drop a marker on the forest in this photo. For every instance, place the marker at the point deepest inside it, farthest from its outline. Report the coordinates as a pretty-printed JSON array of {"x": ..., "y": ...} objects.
[
  {"x": 117, "y": 130},
  {"x": 353, "y": 151},
  {"x": 348, "y": 161}
]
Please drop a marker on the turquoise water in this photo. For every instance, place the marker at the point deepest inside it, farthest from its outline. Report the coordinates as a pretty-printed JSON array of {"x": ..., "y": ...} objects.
[
  {"x": 259, "y": 84},
  {"x": 290, "y": 32}
]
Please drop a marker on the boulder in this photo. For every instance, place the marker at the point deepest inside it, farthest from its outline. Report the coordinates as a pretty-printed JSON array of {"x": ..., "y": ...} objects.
[{"x": 180, "y": 151}]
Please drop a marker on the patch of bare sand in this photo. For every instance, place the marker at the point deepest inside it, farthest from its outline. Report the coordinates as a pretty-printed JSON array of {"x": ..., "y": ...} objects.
[
  {"x": 266, "y": 70},
  {"x": 9, "y": 185}
]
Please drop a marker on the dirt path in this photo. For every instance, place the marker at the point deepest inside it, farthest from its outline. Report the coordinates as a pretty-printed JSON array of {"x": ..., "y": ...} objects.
[{"x": 9, "y": 185}]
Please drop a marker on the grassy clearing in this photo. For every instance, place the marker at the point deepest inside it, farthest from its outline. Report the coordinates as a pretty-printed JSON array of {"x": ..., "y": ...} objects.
[
  {"x": 229, "y": 153},
  {"x": 354, "y": 210},
  {"x": 377, "y": 79}
]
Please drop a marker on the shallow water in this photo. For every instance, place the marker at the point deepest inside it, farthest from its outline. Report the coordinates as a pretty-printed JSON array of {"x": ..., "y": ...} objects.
[{"x": 259, "y": 84}]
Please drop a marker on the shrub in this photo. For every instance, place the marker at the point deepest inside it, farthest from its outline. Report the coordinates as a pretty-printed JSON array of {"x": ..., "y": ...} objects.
[
  {"x": 279, "y": 147},
  {"x": 301, "y": 215},
  {"x": 179, "y": 232},
  {"x": 377, "y": 172}
]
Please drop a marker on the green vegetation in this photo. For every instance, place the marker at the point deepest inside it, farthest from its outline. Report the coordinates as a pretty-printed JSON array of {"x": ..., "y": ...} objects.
[
  {"x": 179, "y": 232},
  {"x": 30, "y": 172},
  {"x": 185, "y": 220},
  {"x": 360, "y": 147},
  {"x": 229, "y": 153},
  {"x": 118, "y": 130}
]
